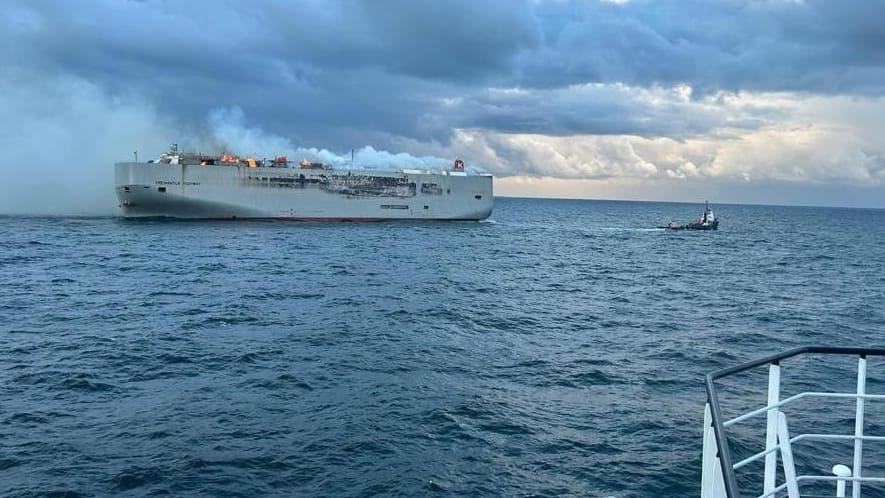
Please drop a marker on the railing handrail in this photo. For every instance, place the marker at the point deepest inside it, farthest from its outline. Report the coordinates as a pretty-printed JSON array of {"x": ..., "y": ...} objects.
[
  {"x": 796, "y": 397},
  {"x": 776, "y": 358},
  {"x": 809, "y": 437},
  {"x": 717, "y": 419}
]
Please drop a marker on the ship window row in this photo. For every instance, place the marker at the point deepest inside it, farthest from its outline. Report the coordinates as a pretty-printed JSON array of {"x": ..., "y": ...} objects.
[{"x": 394, "y": 206}]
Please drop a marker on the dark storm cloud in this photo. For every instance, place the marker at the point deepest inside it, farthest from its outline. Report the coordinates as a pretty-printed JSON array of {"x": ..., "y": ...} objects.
[
  {"x": 777, "y": 45},
  {"x": 295, "y": 64},
  {"x": 604, "y": 110},
  {"x": 342, "y": 73},
  {"x": 460, "y": 40}
]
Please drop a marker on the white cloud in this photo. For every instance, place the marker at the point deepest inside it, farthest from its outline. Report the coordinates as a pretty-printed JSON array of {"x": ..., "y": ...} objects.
[{"x": 817, "y": 140}]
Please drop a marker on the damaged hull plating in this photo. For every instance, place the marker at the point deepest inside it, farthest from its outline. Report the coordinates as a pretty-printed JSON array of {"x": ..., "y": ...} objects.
[{"x": 239, "y": 191}]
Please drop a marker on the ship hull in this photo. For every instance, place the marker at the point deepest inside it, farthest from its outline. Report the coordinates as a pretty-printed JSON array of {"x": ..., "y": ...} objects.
[{"x": 193, "y": 191}]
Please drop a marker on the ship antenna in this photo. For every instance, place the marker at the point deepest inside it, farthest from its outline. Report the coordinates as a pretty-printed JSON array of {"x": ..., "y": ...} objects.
[{"x": 136, "y": 155}]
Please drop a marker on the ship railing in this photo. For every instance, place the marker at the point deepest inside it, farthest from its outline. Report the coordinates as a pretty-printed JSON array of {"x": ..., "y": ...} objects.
[{"x": 719, "y": 474}]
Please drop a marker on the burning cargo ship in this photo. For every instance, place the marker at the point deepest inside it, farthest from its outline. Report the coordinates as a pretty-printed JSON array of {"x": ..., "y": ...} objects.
[{"x": 188, "y": 185}]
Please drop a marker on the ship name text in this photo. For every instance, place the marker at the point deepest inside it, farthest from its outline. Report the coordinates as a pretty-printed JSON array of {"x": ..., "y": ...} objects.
[{"x": 174, "y": 182}]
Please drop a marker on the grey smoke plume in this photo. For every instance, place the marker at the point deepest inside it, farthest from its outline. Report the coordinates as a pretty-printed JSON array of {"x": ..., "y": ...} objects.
[
  {"x": 230, "y": 132},
  {"x": 59, "y": 149},
  {"x": 68, "y": 133}
]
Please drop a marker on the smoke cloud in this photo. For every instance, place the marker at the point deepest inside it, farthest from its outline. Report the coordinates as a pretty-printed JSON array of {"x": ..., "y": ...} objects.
[
  {"x": 68, "y": 133},
  {"x": 230, "y": 132},
  {"x": 61, "y": 139}
]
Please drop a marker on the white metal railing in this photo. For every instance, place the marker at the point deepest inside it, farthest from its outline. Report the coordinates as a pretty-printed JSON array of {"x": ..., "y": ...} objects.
[{"x": 718, "y": 478}]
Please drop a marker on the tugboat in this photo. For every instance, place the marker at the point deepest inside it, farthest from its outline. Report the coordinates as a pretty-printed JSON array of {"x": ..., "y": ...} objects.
[{"x": 705, "y": 222}]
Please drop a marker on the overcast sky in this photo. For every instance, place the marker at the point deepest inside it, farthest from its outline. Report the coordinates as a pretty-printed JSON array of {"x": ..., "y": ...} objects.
[{"x": 745, "y": 101}]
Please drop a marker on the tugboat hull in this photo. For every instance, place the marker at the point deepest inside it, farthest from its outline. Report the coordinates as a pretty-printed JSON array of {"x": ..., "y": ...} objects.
[
  {"x": 706, "y": 222},
  {"x": 693, "y": 226}
]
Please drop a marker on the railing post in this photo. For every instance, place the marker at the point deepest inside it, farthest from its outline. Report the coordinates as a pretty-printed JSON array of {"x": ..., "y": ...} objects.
[
  {"x": 783, "y": 434},
  {"x": 774, "y": 390},
  {"x": 712, "y": 484},
  {"x": 858, "y": 424}
]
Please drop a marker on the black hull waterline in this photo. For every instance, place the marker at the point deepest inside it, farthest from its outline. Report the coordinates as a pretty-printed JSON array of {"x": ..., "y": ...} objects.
[{"x": 693, "y": 226}]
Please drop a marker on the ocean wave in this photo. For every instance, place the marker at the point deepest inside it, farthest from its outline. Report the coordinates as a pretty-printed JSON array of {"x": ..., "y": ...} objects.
[{"x": 537, "y": 355}]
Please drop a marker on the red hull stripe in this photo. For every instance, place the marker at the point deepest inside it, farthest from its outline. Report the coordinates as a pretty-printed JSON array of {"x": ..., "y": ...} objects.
[{"x": 359, "y": 220}]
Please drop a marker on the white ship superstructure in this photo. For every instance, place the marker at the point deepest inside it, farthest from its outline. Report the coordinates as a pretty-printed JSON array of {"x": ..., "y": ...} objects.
[{"x": 184, "y": 185}]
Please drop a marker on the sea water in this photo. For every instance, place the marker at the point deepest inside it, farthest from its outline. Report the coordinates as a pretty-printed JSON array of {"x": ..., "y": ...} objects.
[{"x": 557, "y": 349}]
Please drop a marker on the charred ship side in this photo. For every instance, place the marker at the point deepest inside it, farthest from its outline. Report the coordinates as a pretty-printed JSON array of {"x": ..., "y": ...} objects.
[{"x": 184, "y": 185}]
